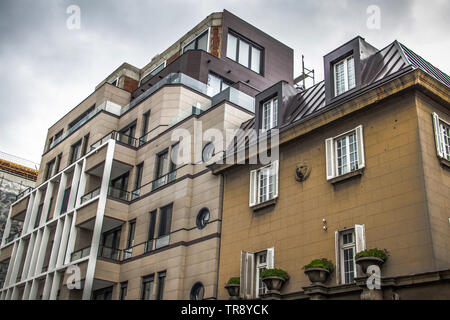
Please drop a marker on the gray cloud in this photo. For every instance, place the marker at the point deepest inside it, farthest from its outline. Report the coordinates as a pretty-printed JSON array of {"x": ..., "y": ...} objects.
[{"x": 48, "y": 69}]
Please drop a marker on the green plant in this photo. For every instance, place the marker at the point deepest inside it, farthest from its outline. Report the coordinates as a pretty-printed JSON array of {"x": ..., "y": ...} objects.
[
  {"x": 274, "y": 273},
  {"x": 320, "y": 263},
  {"x": 382, "y": 254},
  {"x": 234, "y": 280}
]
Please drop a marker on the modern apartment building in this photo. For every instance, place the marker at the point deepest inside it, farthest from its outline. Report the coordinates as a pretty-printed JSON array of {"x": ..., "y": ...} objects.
[
  {"x": 112, "y": 207},
  {"x": 364, "y": 162}
]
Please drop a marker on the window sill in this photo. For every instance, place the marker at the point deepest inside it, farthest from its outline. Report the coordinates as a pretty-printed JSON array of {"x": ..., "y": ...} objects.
[
  {"x": 445, "y": 162},
  {"x": 265, "y": 204},
  {"x": 346, "y": 176}
]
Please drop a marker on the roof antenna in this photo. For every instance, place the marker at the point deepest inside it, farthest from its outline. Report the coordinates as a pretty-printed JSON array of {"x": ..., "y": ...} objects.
[{"x": 306, "y": 73}]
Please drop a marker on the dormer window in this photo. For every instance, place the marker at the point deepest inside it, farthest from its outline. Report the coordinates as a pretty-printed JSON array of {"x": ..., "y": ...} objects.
[
  {"x": 269, "y": 114},
  {"x": 344, "y": 75}
]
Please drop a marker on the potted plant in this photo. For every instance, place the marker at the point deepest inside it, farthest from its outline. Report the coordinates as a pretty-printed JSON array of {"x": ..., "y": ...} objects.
[
  {"x": 233, "y": 286},
  {"x": 371, "y": 257},
  {"x": 318, "y": 270},
  {"x": 274, "y": 279}
]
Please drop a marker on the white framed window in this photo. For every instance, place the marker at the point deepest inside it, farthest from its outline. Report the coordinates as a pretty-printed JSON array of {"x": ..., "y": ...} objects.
[
  {"x": 348, "y": 243},
  {"x": 252, "y": 265},
  {"x": 269, "y": 114},
  {"x": 442, "y": 137},
  {"x": 244, "y": 52},
  {"x": 344, "y": 75},
  {"x": 345, "y": 153},
  {"x": 264, "y": 184}
]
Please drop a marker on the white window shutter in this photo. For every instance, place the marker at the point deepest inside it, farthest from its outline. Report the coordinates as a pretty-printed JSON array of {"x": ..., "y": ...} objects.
[
  {"x": 338, "y": 257},
  {"x": 437, "y": 135},
  {"x": 270, "y": 258},
  {"x": 253, "y": 187},
  {"x": 360, "y": 146},
  {"x": 329, "y": 152},
  {"x": 276, "y": 178},
  {"x": 360, "y": 238},
  {"x": 250, "y": 276}
]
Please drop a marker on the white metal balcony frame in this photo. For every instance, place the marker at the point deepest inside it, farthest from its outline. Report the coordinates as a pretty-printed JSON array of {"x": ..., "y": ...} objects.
[{"x": 65, "y": 234}]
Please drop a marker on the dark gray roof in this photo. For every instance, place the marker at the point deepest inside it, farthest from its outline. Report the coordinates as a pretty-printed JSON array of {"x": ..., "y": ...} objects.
[{"x": 388, "y": 63}]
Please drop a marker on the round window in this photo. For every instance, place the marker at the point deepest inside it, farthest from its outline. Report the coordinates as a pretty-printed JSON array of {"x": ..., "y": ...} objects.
[
  {"x": 202, "y": 218},
  {"x": 197, "y": 291},
  {"x": 208, "y": 152}
]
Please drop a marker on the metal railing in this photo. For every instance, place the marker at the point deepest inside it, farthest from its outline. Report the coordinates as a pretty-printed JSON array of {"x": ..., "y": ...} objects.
[
  {"x": 109, "y": 253},
  {"x": 120, "y": 137},
  {"x": 90, "y": 195},
  {"x": 24, "y": 193},
  {"x": 155, "y": 184},
  {"x": 80, "y": 254},
  {"x": 118, "y": 194}
]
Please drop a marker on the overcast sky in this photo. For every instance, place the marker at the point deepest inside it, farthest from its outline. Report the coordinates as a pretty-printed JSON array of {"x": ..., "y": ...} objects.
[{"x": 47, "y": 69}]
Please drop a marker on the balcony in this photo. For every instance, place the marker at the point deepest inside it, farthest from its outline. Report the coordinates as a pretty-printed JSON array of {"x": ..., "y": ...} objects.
[
  {"x": 90, "y": 195},
  {"x": 119, "y": 137},
  {"x": 110, "y": 253},
  {"x": 155, "y": 184},
  {"x": 119, "y": 194},
  {"x": 80, "y": 254}
]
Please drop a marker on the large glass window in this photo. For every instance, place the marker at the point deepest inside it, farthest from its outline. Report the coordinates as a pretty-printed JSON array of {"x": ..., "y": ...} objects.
[
  {"x": 244, "y": 52},
  {"x": 162, "y": 165},
  {"x": 75, "y": 152},
  {"x": 103, "y": 294},
  {"x": 160, "y": 289}
]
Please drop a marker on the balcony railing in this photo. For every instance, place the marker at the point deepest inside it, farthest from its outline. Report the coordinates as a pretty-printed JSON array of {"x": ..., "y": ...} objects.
[
  {"x": 90, "y": 195},
  {"x": 171, "y": 78},
  {"x": 109, "y": 253},
  {"x": 107, "y": 106},
  {"x": 24, "y": 193},
  {"x": 80, "y": 254},
  {"x": 118, "y": 194},
  {"x": 155, "y": 184},
  {"x": 120, "y": 137}
]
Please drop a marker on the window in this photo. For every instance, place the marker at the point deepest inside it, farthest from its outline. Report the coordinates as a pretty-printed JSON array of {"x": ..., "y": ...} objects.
[
  {"x": 197, "y": 291},
  {"x": 115, "y": 82},
  {"x": 244, "y": 52},
  {"x": 348, "y": 243},
  {"x": 160, "y": 289},
  {"x": 65, "y": 202},
  {"x": 110, "y": 244},
  {"x": 151, "y": 231},
  {"x": 103, "y": 294},
  {"x": 38, "y": 215},
  {"x": 58, "y": 162},
  {"x": 442, "y": 137},
  {"x": 216, "y": 84},
  {"x": 199, "y": 43},
  {"x": 131, "y": 231},
  {"x": 145, "y": 121},
  {"x": 165, "y": 219},
  {"x": 252, "y": 264},
  {"x": 119, "y": 187},
  {"x": 50, "y": 141},
  {"x": 138, "y": 178},
  {"x": 147, "y": 287},
  {"x": 264, "y": 184},
  {"x": 123, "y": 290},
  {"x": 49, "y": 169},
  {"x": 203, "y": 218},
  {"x": 345, "y": 153},
  {"x": 126, "y": 135},
  {"x": 85, "y": 144},
  {"x": 344, "y": 75},
  {"x": 75, "y": 152},
  {"x": 162, "y": 164},
  {"x": 58, "y": 135},
  {"x": 269, "y": 114},
  {"x": 174, "y": 157}
]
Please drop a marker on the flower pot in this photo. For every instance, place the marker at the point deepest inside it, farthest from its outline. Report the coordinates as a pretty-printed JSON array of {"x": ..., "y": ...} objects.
[
  {"x": 233, "y": 291},
  {"x": 273, "y": 283},
  {"x": 365, "y": 262},
  {"x": 317, "y": 275}
]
